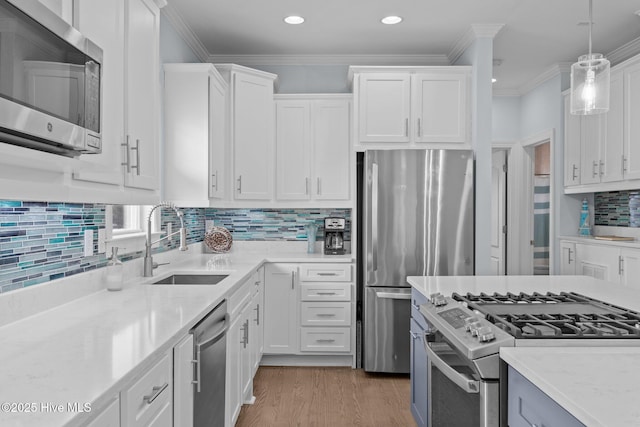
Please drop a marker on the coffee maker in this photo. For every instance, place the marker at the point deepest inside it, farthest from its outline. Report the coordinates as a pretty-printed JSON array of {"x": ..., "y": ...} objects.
[{"x": 334, "y": 236}]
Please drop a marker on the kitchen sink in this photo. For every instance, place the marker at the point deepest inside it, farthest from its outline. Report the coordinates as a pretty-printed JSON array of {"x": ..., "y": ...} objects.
[{"x": 191, "y": 279}]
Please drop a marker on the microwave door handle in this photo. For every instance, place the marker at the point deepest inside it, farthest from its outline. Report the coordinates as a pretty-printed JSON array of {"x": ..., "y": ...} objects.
[{"x": 463, "y": 381}]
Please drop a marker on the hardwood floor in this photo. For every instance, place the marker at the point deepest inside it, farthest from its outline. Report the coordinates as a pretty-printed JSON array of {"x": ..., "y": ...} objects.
[{"x": 331, "y": 397}]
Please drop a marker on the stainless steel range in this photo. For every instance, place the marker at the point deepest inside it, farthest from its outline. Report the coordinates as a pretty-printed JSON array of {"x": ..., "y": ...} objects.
[{"x": 466, "y": 332}]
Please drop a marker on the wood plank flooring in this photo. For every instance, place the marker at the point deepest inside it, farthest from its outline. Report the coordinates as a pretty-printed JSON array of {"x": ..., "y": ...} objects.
[{"x": 327, "y": 397}]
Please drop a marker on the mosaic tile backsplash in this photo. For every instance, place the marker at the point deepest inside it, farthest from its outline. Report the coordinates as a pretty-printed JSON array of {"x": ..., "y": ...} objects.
[
  {"x": 612, "y": 208},
  {"x": 43, "y": 241}
]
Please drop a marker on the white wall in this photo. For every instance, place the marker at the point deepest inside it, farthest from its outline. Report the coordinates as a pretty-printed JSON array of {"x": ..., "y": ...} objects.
[{"x": 506, "y": 119}]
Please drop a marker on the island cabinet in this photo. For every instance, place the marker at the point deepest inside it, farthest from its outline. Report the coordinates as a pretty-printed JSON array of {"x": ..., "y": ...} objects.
[
  {"x": 195, "y": 129},
  {"x": 420, "y": 107},
  {"x": 529, "y": 406},
  {"x": 418, "y": 361},
  {"x": 309, "y": 314},
  {"x": 108, "y": 417},
  {"x": 251, "y": 130}
]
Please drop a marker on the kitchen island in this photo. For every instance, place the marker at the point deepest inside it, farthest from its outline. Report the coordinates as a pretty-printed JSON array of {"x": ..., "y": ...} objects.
[{"x": 595, "y": 382}]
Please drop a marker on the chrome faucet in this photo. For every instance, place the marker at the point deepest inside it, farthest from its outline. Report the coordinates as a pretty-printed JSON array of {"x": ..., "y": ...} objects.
[{"x": 149, "y": 265}]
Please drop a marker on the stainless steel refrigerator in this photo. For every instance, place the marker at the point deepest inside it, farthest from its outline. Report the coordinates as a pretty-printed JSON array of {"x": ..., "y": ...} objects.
[{"x": 416, "y": 213}]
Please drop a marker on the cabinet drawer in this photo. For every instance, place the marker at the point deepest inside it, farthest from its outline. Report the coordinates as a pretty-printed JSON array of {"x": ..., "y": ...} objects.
[
  {"x": 417, "y": 299},
  {"x": 325, "y": 291},
  {"x": 325, "y": 272},
  {"x": 150, "y": 395},
  {"x": 325, "y": 339},
  {"x": 325, "y": 314}
]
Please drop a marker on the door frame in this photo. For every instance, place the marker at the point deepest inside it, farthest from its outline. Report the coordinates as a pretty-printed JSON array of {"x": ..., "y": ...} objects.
[{"x": 506, "y": 150}]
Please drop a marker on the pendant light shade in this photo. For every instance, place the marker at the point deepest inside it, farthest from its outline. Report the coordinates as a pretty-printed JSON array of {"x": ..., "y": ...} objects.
[{"x": 590, "y": 81}]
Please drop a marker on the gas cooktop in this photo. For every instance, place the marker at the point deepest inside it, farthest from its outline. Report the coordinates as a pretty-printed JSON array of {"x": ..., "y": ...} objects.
[{"x": 547, "y": 316}]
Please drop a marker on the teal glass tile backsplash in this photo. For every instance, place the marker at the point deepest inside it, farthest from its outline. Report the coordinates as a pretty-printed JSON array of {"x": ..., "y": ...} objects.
[{"x": 43, "y": 241}]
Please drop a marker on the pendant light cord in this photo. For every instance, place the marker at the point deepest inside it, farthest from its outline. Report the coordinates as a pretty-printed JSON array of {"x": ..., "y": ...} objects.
[{"x": 590, "y": 25}]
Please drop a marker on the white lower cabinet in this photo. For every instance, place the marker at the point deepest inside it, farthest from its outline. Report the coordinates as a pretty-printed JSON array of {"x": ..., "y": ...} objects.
[
  {"x": 148, "y": 401},
  {"x": 183, "y": 382},
  {"x": 108, "y": 417},
  {"x": 613, "y": 263},
  {"x": 309, "y": 309}
]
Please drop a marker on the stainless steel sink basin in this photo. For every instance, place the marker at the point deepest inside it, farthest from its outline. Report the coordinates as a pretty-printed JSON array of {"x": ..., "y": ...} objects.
[{"x": 191, "y": 279}]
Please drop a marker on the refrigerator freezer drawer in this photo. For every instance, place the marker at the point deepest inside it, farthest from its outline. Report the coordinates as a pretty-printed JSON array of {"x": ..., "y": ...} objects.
[
  {"x": 325, "y": 339},
  {"x": 387, "y": 313},
  {"x": 325, "y": 291},
  {"x": 325, "y": 314},
  {"x": 325, "y": 272}
]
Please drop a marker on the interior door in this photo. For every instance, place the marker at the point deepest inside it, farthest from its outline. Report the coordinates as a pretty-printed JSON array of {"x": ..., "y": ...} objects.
[{"x": 498, "y": 212}]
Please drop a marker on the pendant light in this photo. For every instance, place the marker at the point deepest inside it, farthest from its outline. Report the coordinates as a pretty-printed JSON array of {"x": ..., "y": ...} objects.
[{"x": 590, "y": 80}]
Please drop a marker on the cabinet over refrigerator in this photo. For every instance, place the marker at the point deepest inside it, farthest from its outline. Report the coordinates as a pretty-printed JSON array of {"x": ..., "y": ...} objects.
[{"x": 417, "y": 219}]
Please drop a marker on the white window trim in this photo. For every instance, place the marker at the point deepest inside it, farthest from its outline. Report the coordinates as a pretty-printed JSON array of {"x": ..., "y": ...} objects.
[{"x": 131, "y": 239}]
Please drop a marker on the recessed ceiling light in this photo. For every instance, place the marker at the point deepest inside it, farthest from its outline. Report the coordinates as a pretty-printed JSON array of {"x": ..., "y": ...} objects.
[
  {"x": 391, "y": 20},
  {"x": 294, "y": 20},
  {"x": 493, "y": 80}
]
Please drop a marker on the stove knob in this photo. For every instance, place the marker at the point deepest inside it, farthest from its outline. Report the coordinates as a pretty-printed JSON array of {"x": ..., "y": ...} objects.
[
  {"x": 485, "y": 334},
  {"x": 474, "y": 327},
  {"x": 468, "y": 321},
  {"x": 438, "y": 299}
]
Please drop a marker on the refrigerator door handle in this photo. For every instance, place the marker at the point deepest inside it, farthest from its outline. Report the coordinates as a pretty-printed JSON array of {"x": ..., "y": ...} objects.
[
  {"x": 374, "y": 215},
  {"x": 393, "y": 295}
]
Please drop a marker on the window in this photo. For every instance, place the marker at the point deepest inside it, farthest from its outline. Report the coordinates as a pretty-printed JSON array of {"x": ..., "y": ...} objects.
[{"x": 131, "y": 219}]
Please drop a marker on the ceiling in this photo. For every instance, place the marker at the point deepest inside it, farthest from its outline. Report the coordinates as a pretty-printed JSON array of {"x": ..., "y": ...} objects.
[{"x": 537, "y": 34}]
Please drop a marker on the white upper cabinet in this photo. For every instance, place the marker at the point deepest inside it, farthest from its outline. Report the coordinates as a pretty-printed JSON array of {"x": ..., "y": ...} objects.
[
  {"x": 440, "y": 107},
  {"x": 572, "y": 133},
  {"x": 62, "y": 8},
  {"x": 142, "y": 133},
  {"x": 251, "y": 130},
  {"x": 195, "y": 134},
  {"x": 412, "y": 106},
  {"x": 631, "y": 122},
  {"x": 313, "y": 147},
  {"x": 384, "y": 107},
  {"x": 612, "y": 157}
]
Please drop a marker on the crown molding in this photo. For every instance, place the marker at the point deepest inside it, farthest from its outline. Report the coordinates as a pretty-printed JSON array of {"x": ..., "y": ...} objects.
[
  {"x": 185, "y": 32},
  {"x": 549, "y": 73},
  {"x": 251, "y": 60},
  {"x": 476, "y": 31},
  {"x": 624, "y": 52}
]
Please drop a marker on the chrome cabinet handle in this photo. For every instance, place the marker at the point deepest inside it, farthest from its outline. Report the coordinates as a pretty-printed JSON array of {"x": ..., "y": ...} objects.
[
  {"x": 127, "y": 163},
  {"x": 601, "y": 167},
  {"x": 419, "y": 127},
  {"x": 620, "y": 265},
  {"x": 155, "y": 393},
  {"x": 406, "y": 127},
  {"x": 326, "y": 315},
  {"x": 624, "y": 164},
  {"x": 306, "y": 185},
  {"x": 196, "y": 362},
  {"x": 327, "y": 274},
  {"x": 214, "y": 180},
  {"x": 575, "y": 169},
  {"x": 293, "y": 278},
  {"x": 325, "y": 293},
  {"x": 569, "y": 260},
  {"x": 319, "y": 191},
  {"x": 257, "y": 309},
  {"x": 137, "y": 166},
  {"x": 414, "y": 336},
  {"x": 325, "y": 340},
  {"x": 414, "y": 305},
  {"x": 239, "y": 184},
  {"x": 595, "y": 165}
]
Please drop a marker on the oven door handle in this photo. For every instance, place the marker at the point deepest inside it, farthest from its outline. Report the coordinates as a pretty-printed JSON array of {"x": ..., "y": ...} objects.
[{"x": 463, "y": 381}]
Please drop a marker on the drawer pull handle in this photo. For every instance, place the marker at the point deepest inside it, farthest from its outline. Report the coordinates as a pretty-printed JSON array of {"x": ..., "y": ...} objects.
[
  {"x": 325, "y": 340},
  {"x": 416, "y": 306},
  {"x": 156, "y": 392},
  {"x": 326, "y": 293},
  {"x": 327, "y": 274},
  {"x": 325, "y": 315}
]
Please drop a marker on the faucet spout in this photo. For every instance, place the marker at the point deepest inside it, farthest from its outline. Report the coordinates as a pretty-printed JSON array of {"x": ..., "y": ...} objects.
[{"x": 149, "y": 265}]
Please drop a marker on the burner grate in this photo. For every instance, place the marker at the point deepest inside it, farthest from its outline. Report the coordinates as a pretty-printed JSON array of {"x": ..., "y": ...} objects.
[{"x": 564, "y": 315}]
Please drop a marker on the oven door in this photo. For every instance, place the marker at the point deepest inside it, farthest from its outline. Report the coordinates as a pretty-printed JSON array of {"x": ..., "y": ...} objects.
[{"x": 458, "y": 397}]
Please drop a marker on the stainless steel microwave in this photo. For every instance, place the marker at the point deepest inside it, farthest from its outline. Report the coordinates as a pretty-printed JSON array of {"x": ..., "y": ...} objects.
[{"x": 50, "y": 82}]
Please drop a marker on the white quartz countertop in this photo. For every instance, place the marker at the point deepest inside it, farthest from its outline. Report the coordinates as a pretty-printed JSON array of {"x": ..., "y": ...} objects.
[
  {"x": 598, "y": 386},
  {"x": 86, "y": 350}
]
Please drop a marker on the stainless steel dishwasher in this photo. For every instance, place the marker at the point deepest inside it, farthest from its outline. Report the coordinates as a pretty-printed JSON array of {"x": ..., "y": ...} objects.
[{"x": 210, "y": 348}]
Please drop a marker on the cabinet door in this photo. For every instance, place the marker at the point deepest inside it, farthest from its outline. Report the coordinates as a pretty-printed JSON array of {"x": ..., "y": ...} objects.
[
  {"x": 233, "y": 396},
  {"x": 253, "y": 136},
  {"x": 109, "y": 417},
  {"x": 218, "y": 138},
  {"x": 384, "y": 107},
  {"x": 182, "y": 382},
  {"x": 611, "y": 151},
  {"x": 591, "y": 136},
  {"x": 103, "y": 22},
  {"x": 142, "y": 25},
  {"x": 601, "y": 262},
  {"x": 439, "y": 107},
  {"x": 280, "y": 309},
  {"x": 246, "y": 369},
  {"x": 631, "y": 122},
  {"x": 293, "y": 142},
  {"x": 257, "y": 321},
  {"x": 567, "y": 258},
  {"x": 630, "y": 267},
  {"x": 572, "y": 135},
  {"x": 419, "y": 376},
  {"x": 331, "y": 148}
]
